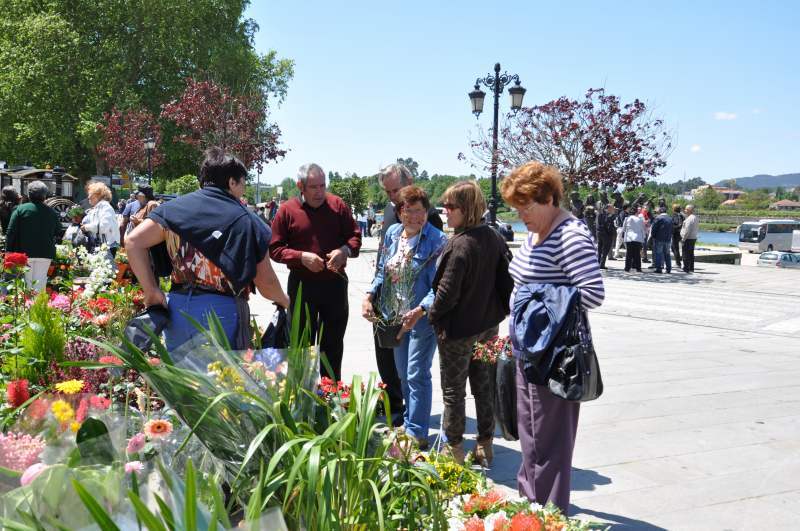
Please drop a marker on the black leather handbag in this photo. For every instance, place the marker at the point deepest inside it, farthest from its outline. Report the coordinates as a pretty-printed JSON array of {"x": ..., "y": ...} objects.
[{"x": 576, "y": 373}]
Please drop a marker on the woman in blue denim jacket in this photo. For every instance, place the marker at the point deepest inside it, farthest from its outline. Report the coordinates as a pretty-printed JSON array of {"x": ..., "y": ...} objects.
[{"x": 416, "y": 243}]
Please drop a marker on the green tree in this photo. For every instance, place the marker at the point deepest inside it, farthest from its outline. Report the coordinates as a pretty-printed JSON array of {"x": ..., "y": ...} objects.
[
  {"x": 411, "y": 164},
  {"x": 754, "y": 200},
  {"x": 289, "y": 188},
  {"x": 709, "y": 199},
  {"x": 353, "y": 191},
  {"x": 182, "y": 185},
  {"x": 65, "y": 63}
]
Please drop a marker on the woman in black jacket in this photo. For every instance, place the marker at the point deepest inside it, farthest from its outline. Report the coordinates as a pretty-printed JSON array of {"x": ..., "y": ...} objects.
[
  {"x": 467, "y": 309},
  {"x": 8, "y": 204}
]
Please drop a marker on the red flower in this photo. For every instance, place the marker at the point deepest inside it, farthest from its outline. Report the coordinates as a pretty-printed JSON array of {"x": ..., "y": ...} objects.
[
  {"x": 17, "y": 391},
  {"x": 101, "y": 304},
  {"x": 38, "y": 409},
  {"x": 99, "y": 402},
  {"x": 15, "y": 260},
  {"x": 110, "y": 360},
  {"x": 83, "y": 408},
  {"x": 525, "y": 522}
]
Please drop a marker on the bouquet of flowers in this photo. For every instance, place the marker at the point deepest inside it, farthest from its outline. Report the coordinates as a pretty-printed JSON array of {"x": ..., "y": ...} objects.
[
  {"x": 497, "y": 511},
  {"x": 489, "y": 351}
]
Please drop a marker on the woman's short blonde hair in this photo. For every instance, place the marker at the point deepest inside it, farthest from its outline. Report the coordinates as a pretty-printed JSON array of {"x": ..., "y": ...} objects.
[
  {"x": 533, "y": 181},
  {"x": 100, "y": 190},
  {"x": 468, "y": 197}
]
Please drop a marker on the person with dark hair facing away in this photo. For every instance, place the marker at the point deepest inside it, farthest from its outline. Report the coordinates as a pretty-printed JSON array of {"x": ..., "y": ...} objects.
[
  {"x": 677, "y": 225},
  {"x": 217, "y": 249},
  {"x": 143, "y": 195},
  {"x": 606, "y": 231},
  {"x": 314, "y": 235},
  {"x": 8, "y": 204},
  {"x": 662, "y": 238},
  {"x": 32, "y": 230}
]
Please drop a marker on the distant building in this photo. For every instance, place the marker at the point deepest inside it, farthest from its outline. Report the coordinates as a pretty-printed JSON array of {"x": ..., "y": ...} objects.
[
  {"x": 728, "y": 193},
  {"x": 729, "y": 203},
  {"x": 785, "y": 204}
]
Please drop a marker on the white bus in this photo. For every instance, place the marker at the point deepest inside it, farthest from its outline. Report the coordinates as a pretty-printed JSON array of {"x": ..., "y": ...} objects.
[{"x": 767, "y": 235}]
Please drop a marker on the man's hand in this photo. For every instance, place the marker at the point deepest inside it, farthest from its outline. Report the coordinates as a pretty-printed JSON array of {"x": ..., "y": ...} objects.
[
  {"x": 312, "y": 262},
  {"x": 155, "y": 298},
  {"x": 337, "y": 260}
]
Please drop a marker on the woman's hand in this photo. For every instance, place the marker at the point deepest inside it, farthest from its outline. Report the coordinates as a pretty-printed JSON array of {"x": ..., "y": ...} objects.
[
  {"x": 410, "y": 320},
  {"x": 367, "y": 311},
  {"x": 155, "y": 298}
]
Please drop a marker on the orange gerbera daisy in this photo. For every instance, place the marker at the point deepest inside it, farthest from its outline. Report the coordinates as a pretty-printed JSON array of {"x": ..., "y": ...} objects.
[{"x": 157, "y": 428}]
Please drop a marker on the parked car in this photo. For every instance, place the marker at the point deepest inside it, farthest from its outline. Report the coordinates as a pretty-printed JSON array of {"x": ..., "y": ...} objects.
[{"x": 779, "y": 259}]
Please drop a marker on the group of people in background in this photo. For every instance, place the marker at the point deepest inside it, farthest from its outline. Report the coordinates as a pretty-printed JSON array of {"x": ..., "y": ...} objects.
[{"x": 636, "y": 228}]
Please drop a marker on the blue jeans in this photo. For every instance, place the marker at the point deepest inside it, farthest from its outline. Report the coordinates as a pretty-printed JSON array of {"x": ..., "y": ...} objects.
[
  {"x": 413, "y": 359},
  {"x": 661, "y": 252},
  {"x": 198, "y": 305}
]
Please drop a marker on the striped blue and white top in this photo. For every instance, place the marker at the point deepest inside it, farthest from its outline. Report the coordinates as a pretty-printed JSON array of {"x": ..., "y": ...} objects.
[{"x": 567, "y": 256}]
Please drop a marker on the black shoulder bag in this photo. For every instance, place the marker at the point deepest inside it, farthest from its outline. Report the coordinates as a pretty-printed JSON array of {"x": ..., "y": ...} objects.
[{"x": 576, "y": 374}]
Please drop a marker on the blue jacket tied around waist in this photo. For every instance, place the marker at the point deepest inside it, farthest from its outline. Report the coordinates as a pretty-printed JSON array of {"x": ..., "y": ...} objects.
[{"x": 537, "y": 319}]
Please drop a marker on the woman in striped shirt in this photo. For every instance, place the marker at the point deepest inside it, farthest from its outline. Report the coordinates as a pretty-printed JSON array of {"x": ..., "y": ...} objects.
[{"x": 559, "y": 250}]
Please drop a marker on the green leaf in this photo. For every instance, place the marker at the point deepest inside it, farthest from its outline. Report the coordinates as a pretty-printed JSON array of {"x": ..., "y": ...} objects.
[
  {"x": 144, "y": 514},
  {"x": 190, "y": 508},
  {"x": 94, "y": 443},
  {"x": 98, "y": 513}
]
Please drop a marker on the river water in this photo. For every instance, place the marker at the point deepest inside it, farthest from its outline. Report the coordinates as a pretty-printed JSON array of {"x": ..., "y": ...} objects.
[{"x": 716, "y": 238}]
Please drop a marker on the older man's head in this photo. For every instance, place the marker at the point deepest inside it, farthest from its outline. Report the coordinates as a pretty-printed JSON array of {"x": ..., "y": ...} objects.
[
  {"x": 394, "y": 177},
  {"x": 311, "y": 183},
  {"x": 690, "y": 209}
]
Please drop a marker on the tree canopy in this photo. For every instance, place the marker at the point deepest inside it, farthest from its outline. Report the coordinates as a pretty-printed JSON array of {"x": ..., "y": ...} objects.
[{"x": 63, "y": 64}]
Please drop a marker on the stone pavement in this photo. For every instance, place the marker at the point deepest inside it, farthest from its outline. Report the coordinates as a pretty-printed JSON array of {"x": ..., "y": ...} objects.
[{"x": 699, "y": 425}]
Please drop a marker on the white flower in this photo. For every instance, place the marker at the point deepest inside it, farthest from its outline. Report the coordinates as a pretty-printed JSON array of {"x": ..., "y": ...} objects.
[
  {"x": 455, "y": 524},
  {"x": 488, "y": 522}
]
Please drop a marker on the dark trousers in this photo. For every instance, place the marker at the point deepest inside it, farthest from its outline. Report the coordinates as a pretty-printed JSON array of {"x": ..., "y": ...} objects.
[
  {"x": 688, "y": 255},
  {"x": 633, "y": 256},
  {"x": 603, "y": 248},
  {"x": 326, "y": 301},
  {"x": 456, "y": 366},
  {"x": 676, "y": 248},
  {"x": 388, "y": 373},
  {"x": 547, "y": 427}
]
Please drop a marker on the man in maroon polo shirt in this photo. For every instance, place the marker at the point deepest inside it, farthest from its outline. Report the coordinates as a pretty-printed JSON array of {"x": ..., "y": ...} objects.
[{"x": 314, "y": 235}]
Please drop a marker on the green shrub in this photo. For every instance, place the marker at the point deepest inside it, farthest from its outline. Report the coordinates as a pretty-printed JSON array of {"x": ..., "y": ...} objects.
[
  {"x": 44, "y": 338},
  {"x": 182, "y": 185}
]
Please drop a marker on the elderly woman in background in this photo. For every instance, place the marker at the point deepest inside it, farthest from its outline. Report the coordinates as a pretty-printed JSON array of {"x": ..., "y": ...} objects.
[
  {"x": 559, "y": 250},
  {"x": 416, "y": 242},
  {"x": 100, "y": 222},
  {"x": 8, "y": 203},
  {"x": 633, "y": 230},
  {"x": 467, "y": 309},
  {"x": 32, "y": 230}
]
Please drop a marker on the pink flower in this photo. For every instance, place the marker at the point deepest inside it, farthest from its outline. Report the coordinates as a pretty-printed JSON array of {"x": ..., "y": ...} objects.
[
  {"x": 60, "y": 302},
  {"x": 157, "y": 428},
  {"x": 99, "y": 402},
  {"x": 110, "y": 360},
  {"x": 32, "y": 472},
  {"x": 133, "y": 466},
  {"x": 136, "y": 443},
  {"x": 19, "y": 451}
]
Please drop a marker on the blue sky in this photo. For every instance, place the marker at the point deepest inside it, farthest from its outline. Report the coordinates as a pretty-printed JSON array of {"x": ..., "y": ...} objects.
[{"x": 375, "y": 81}]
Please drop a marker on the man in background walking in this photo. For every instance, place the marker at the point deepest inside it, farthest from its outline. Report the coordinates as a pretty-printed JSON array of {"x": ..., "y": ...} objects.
[
  {"x": 691, "y": 225},
  {"x": 606, "y": 232}
]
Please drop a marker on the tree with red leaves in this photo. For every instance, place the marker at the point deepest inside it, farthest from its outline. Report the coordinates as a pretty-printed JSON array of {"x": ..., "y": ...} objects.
[
  {"x": 594, "y": 142},
  {"x": 122, "y": 142},
  {"x": 209, "y": 115}
]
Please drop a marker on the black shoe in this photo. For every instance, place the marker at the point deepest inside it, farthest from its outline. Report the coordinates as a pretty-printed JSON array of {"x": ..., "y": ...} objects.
[
  {"x": 627, "y": 270},
  {"x": 611, "y": 258},
  {"x": 646, "y": 261},
  {"x": 659, "y": 271},
  {"x": 603, "y": 267},
  {"x": 638, "y": 270}
]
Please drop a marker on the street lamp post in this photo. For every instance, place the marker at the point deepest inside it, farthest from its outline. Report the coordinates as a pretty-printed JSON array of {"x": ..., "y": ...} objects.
[
  {"x": 149, "y": 146},
  {"x": 496, "y": 83}
]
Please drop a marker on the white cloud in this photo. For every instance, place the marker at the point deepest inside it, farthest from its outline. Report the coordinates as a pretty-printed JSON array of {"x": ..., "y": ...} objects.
[
  {"x": 724, "y": 116},
  {"x": 757, "y": 111},
  {"x": 695, "y": 148}
]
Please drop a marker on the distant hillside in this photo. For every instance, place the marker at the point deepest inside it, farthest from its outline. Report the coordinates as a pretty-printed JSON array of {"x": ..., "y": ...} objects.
[{"x": 789, "y": 180}]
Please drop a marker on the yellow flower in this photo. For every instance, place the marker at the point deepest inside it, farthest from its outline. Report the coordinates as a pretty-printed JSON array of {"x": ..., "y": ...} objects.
[
  {"x": 75, "y": 426},
  {"x": 62, "y": 411},
  {"x": 70, "y": 387}
]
